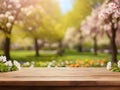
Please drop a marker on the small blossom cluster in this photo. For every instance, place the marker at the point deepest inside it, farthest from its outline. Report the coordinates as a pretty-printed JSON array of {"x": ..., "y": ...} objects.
[
  {"x": 111, "y": 8},
  {"x": 8, "y": 65},
  {"x": 90, "y": 26},
  {"x": 109, "y": 66},
  {"x": 109, "y": 16},
  {"x": 28, "y": 64},
  {"x": 9, "y": 9},
  {"x": 115, "y": 67},
  {"x": 9, "y": 17}
]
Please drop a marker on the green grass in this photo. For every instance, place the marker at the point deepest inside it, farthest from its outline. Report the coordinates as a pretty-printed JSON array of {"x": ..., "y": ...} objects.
[{"x": 69, "y": 55}]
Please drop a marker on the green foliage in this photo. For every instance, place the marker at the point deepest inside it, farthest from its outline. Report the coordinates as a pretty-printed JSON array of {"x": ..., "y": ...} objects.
[
  {"x": 42, "y": 22},
  {"x": 5, "y": 68},
  {"x": 81, "y": 9},
  {"x": 115, "y": 68},
  {"x": 13, "y": 68}
]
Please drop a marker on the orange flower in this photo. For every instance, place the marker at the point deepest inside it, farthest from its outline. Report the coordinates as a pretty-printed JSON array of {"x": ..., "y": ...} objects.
[
  {"x": 103, "y": 60},
  {"x": 91, "y": 62},
  {"x": 77, "y": 65},
  {"x": 80, "y": 62},
  {"x": 102, "y": 63},
  {"x": 87, "y": 65},
  {"x": 72, "y": 65}
]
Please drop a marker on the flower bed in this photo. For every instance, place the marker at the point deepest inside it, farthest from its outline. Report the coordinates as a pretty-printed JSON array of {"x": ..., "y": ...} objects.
[
  {"x": 13, "y": 65},
  {"x": 6, "y": 66},
  {"x": 67, "y": 63}
]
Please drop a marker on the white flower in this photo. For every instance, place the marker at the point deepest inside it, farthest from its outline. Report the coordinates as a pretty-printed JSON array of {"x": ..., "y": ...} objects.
[
  {"x": 17, "y": 64},
  {"x": 11, "y": 18},
  {"x": 109, "y": 65},
  {"x": 118, "y": 63},
  {"x": 7, "y": 14},
  {"x": 2, "y": 16},
  {"x": 8, "y": 63},
  {"x": 49, "y": 65},
  {"x": 3, "y": 59},
  {"x": 26, "y": 64},
  {"x": 31, "y": 66},
  {"x": 8, "y": 25}
]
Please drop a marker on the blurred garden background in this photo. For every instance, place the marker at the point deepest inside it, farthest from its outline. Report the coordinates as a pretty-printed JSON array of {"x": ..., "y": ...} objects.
[{"x": 58, "y": 33}]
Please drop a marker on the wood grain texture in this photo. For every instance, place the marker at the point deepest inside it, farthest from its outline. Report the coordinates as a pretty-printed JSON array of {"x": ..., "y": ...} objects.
[
  {"x": 58, "y": 88},
  {"x": 60, "y": 79}
]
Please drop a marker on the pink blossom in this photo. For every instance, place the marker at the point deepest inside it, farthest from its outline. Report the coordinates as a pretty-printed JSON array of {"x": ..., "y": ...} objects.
[{"x": 112, "y": 8}]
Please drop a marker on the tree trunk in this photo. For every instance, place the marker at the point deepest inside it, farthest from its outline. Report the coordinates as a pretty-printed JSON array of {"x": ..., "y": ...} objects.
[
  {"x": 109, "y": 37},
  {"x": 60, "y": 49},
  {"x": 36, "y": 47},
  {"x": 113, "y": 45},
  {"x": 7, "y": 47},
  {"x": 95, "y": 46},
  {"x": 80, "y": 48}
]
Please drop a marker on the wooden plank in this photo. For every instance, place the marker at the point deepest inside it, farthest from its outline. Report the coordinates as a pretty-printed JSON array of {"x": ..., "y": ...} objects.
[
  {"x": 58, "y": 88},
  {"x": 90, "y": 77}
]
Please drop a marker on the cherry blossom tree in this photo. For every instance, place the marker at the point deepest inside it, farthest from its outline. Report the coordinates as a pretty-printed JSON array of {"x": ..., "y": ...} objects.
[
  {"x": 90, "y": 27},
  {"x": 9, "y": 10},
  {"x": 109, "y": 17}
]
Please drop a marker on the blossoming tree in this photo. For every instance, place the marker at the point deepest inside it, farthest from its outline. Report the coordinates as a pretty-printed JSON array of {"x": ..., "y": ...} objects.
[
  {"x": 41, "y": 22},
  {"x": 110, "y": 16},
  {"x": 9, "y": 10},
  {"x": 90, "y": 27},
  {"x": 31, "y": 16}
]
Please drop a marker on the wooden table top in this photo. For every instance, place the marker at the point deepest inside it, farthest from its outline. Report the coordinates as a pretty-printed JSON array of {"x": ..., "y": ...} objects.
[{"x": 60, "y": 77}]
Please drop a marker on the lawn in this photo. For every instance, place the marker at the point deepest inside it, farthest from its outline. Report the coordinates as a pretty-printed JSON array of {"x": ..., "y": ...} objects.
[{"x": 70, "y": 56}]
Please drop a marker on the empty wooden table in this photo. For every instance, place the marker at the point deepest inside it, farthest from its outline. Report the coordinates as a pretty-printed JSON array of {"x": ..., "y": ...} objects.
[{"x": 60, "y": 79}]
